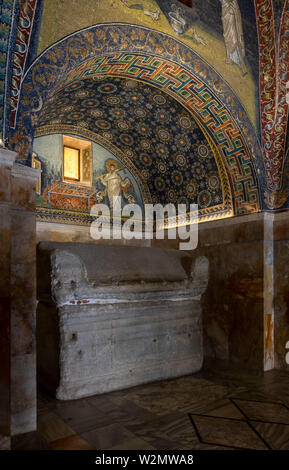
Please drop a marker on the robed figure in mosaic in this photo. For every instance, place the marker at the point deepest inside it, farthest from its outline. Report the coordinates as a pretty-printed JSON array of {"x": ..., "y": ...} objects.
[
  {"x": 115, "y": 185},
  {"x": 233, "y": 33}
]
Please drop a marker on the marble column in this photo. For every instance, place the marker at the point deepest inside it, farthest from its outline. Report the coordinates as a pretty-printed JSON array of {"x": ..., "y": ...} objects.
[{"x": 18, "y": 298}]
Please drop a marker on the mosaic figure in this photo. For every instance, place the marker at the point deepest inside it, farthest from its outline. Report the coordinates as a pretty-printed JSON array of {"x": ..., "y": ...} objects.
[
  {"x": 115, "y": 186},
  {"x": 233, "y": 33}
]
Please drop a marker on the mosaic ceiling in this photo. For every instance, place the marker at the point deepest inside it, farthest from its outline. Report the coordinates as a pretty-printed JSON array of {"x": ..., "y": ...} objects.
[
  {"x": 22, "y": 87},
  {"x": 165, "y": 144}
]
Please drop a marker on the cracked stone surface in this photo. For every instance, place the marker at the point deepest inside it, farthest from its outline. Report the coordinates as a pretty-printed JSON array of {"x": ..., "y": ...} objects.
[{"x": 114, "y": 317}]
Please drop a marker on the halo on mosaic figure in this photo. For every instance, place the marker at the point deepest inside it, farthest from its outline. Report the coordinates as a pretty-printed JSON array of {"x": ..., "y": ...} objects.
[{"x": 110, "y": 163}]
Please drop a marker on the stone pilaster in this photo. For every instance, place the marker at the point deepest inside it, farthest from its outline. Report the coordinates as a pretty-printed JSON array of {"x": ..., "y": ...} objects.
[
  {"x": 246, "y": 305},
  {"x": 268, "y": 292},
  {"x": 281, "y": 290},
  {"x": 7, "y": 159},
  {"x": 18, "y": 298},
  {"x": 23, "y": 300}
]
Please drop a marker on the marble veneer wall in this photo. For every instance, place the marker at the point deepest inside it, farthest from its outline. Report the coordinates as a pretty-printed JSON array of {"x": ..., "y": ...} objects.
[
  {"x": 18, "y": 298},
  {"x": 238, "y": 302},
  {"x": 246, "y": 305},
  {"x": 281, "y": 289},
  {"x": 6, "y": 163},
  {"x": 55, "y": 232}
]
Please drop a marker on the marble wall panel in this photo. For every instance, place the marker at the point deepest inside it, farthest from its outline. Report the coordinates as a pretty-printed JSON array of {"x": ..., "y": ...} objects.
[
  {"x": 54, "y": 232},
  {"x": 23, "y": 394},
  {"x": 5, "y": 319},
  {"x": 23, "y": 283},
  {"x": 23, "y": 301},
  {"x": 281, "y": 289},
  {"x": 246, "y": 306},
  {"x": 268, "y": 291},
  {"x": 6, "y": 162},
  {"x": 281, "y": 303},
  {"x": 234, "y": 303}
]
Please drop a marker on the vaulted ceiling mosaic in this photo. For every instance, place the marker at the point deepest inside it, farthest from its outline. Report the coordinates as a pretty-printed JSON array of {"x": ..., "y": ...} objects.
[
  {"x": 149, "y": 27},
  {"x": 195, "y": 85},
  {"x": 169, "y": 150}
]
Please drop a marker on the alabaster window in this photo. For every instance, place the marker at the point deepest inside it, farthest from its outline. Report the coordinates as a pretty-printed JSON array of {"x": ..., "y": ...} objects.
[
  {"x": 77, "y": 161},
  {"x": 71, "y": 163}
]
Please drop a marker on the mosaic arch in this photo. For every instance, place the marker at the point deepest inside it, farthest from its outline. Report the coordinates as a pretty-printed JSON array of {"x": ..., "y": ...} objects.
[
  {"x": 274, "y": 65},
  {"x": 148, "y": 56},
  {"x": 156, "y": 139}
]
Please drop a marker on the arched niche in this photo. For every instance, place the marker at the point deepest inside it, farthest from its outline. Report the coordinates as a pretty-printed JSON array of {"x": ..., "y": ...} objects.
[{"x": 151, "y": 57}]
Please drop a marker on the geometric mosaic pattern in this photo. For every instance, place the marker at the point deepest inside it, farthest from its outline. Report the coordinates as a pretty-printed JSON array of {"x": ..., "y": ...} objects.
[
  {"x": 274, "y": 67},
  {"x": 223, "y": 432},
  {"x": 243, "y": 431},
  {"x": 189, "y": 413},
  {"x": 194, "y": 83},
  {"x": 196, "y": 98},
  {"x": 167, "y": 147}
]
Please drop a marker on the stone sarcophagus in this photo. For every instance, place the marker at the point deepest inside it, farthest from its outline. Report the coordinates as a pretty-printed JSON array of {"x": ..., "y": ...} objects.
[{"x": 112, "y": 317}]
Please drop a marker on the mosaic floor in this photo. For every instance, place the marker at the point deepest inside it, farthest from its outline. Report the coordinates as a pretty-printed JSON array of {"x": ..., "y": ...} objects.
[{"x": 220, "y": 409}]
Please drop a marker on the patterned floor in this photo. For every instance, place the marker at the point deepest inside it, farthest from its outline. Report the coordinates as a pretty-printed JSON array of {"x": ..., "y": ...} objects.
[{"x": 220, "y": 409}]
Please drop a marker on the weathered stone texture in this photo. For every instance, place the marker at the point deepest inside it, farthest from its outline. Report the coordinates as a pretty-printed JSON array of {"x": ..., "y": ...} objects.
[
  {"x": 114, "y": 317},
  {"x": 18, "y": 298},
  {"x": 281, "y": 290}
]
